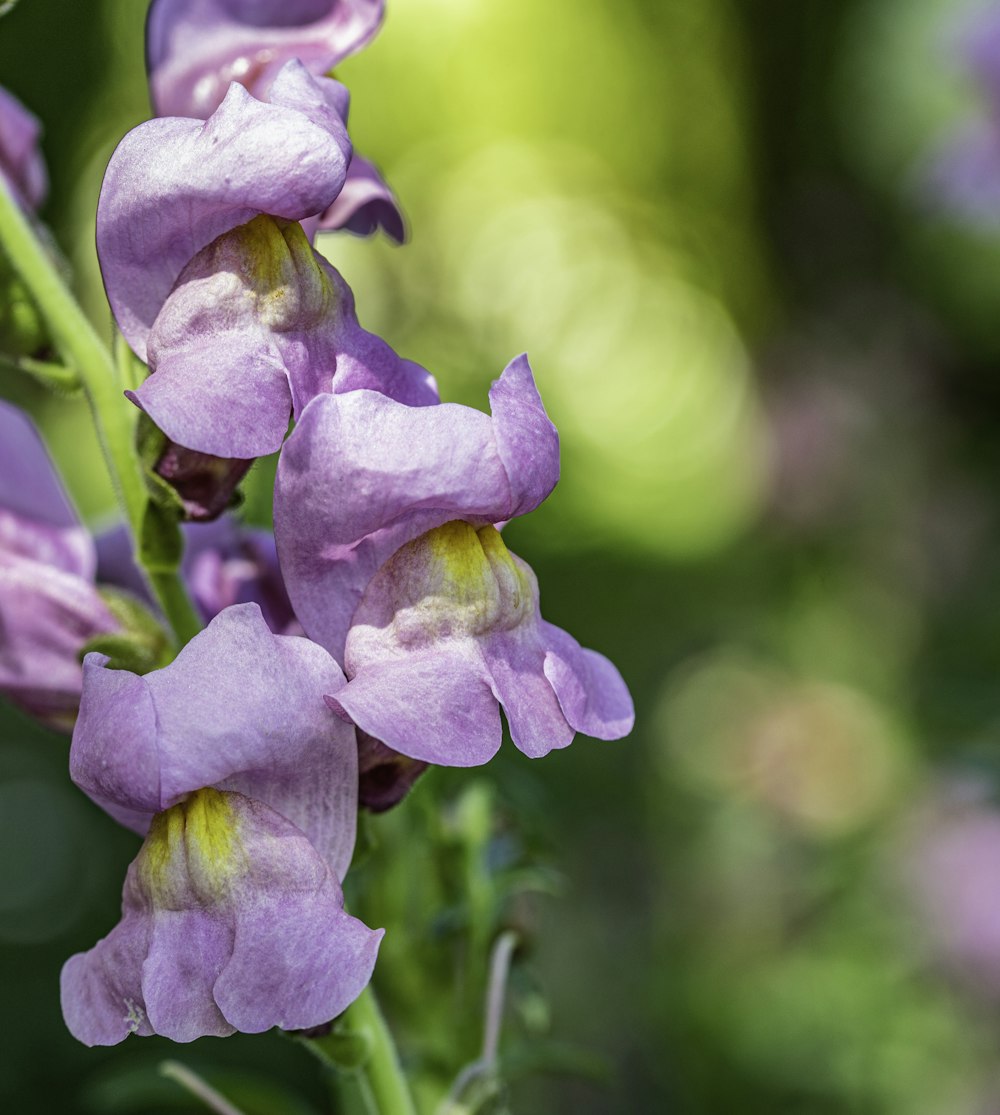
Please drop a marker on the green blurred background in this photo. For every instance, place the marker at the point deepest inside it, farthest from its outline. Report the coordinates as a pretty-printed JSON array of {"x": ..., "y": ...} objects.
[{"x": 774, "y": 368}]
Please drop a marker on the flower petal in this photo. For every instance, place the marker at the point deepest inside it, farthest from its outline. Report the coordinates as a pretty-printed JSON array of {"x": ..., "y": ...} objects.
[
  {"x": 527, "y": 441},
  {"x": 114, "y": 756},
  {"x": 226, "y": 395},
  {"x": 591, "y": 691},
  {"x": 298, "y": 959},
  {"x": 365, "y": 204},
  {"x": 536, "y": 721},
  {"x": 435, "y": 706},
  {"x": 187, "y": 950},
  {"x": 37, "y": 519},
  {"x": 101, "y": 990}
]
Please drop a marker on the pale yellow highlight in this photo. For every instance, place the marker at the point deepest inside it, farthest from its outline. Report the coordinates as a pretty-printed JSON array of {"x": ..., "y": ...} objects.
[
  {"x": 193, "y": 851},
  {"x": 459, "y": 580},
  {"x": 280, "y": 269}
]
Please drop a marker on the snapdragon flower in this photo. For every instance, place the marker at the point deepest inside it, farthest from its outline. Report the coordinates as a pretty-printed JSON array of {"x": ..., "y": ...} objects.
[
  {"x": 195, "y": 48},
  {"x": 245, "y": 786},
  {"x": 21, "y": 164},
  {"x": 50, "y": 607},
  {"x": 212, "y": 278},
  {"x": 385, "y": 522}
]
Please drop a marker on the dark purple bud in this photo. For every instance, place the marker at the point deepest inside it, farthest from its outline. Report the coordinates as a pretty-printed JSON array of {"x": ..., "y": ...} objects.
[
  {"x": 384, "y": 776},
  {"x": 205, "y": 484}
]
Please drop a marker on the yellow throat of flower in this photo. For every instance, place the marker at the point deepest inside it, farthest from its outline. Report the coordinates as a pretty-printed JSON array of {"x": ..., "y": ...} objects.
[
  {"x": 193, "y": 851},
  {"x": 278, "y": 267},
  {"x": 459, "y": 580}
]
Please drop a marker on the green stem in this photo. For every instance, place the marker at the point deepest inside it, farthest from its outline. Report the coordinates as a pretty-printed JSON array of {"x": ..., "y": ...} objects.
[
  {"x": 82, "y": 350},
  {"x": 381, "y": 1083}
]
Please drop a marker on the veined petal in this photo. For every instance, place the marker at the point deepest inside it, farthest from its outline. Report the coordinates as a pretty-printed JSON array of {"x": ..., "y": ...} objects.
[
  {"x": 101, "y": 990},
  {"x": 592, "y": 694},
  {"x": 434, "y": 706}
]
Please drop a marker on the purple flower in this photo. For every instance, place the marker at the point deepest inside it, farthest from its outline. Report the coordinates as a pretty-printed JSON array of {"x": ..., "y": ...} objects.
[
  {"x": 949, "y": 863},
  {"x": 196, "y": 48},
  {"x": 962, "y": 174},
  {"x": 21, "y": 165},
  {"x": 384, "y": 518},
  {"x": 213, "y": 281},
  {"x": 174, "y": 186},
  {"x": 226, "y": 563},
  {"x": 49, "y": 605},
  {"x": 246, "y": 787}
]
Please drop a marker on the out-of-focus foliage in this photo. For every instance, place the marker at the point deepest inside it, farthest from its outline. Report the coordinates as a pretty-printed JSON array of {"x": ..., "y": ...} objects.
[{"x": 772, "y": 362}]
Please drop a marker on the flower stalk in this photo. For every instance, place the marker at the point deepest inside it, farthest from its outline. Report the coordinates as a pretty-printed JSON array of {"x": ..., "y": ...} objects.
[{"x": 381, "y": 1080}]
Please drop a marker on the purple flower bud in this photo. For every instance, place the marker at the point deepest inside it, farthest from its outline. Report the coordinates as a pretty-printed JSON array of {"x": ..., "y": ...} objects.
[
  {"x": 245, "y": 784},
  {"x": 385, "y": 776},
  {"x": 49, "y": 606},
  {"x": 205, "y": 484},
  {"x": 21, "y": 165}
]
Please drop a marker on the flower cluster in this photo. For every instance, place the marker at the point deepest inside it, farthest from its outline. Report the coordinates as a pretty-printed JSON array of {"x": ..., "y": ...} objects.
[{"x": 242, "y": 761}]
